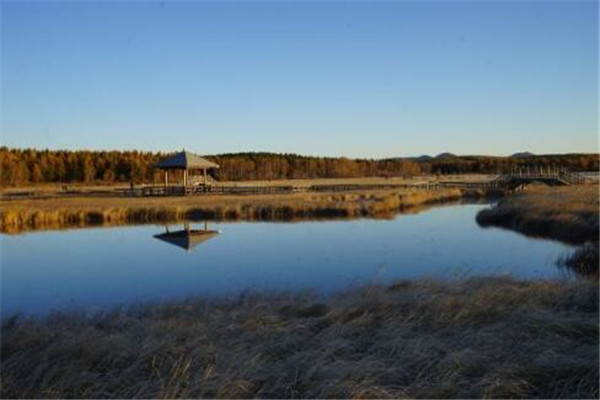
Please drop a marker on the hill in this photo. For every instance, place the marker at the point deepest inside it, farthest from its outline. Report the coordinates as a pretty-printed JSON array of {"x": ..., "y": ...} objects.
[
  {"x": 446, "y": 155},
  {"x": 524, "y": 154}
]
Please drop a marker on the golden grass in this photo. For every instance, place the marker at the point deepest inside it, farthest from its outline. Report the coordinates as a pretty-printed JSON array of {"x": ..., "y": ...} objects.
[
  {"x": 481, "y": 338},
  {"x": 569, "y": 214},
  {"x": 54, "y": 213}
]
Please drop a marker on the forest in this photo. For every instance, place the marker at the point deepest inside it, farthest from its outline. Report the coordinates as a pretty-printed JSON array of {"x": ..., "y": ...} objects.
[{"x": 20, "y": 167}]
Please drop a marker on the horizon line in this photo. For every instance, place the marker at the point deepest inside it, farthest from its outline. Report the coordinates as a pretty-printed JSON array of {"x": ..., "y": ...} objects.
[{"x": 448, "y": 153}]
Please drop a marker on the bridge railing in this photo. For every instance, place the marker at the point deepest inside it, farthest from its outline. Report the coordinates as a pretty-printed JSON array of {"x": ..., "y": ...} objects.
[
  {"x": 541, "y": 174},
  {"x": 573, "y": 178}
]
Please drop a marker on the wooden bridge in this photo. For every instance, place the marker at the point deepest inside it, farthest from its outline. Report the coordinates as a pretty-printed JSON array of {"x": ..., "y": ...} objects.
[
  {"x": 551, "y": 178},
  {"x": 521, "y": 177}
]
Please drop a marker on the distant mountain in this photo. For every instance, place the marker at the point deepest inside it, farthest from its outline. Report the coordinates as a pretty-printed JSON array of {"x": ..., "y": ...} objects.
[
  {"x": 423, "y": 158},
  {"x": 524, "y": 154},
  {"x": 446, "y": 155}
]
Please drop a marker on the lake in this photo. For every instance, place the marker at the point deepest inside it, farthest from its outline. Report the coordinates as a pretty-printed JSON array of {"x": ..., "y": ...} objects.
[{"x": 95, "y": 268}]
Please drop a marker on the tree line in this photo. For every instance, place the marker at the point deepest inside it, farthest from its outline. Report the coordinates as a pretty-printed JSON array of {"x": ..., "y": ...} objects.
[
  {"x": 494, "y": 165},
  {"x": 31, "y": 166}
]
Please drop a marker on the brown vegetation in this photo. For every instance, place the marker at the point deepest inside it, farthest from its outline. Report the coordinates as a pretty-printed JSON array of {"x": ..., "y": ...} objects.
[
  {"x": 482, "y": 338},
  {"x": 584, "y": 261},
  {"x": 20, "y": 167},
  {"x": 30, "y": 166},
  {"x": 20, "y": 215},
  {"x": 569, "y": 214}
]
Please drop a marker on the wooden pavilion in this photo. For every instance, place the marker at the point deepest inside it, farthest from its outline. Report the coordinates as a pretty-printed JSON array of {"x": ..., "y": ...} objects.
[{"x": 189, "y": 163}]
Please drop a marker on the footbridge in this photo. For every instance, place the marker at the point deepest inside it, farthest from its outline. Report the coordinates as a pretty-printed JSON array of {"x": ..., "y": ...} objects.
[
  {"x": 551, "y": 178},
  {"x": 521, "y": 177}
]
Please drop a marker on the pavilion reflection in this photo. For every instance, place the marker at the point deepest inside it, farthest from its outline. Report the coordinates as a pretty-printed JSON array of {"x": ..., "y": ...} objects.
[{"x": 187, "y": 238}]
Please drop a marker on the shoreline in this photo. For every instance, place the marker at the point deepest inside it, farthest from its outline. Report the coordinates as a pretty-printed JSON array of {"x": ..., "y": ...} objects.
[
  {"x": 481, "y": 337},
  {"x": 18, "y": 216},
  {"x": 478, "y": 338},
  {"x": 567, "y": 214}
]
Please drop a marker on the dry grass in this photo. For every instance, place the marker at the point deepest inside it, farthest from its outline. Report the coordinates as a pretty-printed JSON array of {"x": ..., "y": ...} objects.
[
  {"x": 569, "y": 214},
  {"x": 481, "y": 338},
  {"x": 584, "y": 261},
  {"x": 20, "y": 215}
]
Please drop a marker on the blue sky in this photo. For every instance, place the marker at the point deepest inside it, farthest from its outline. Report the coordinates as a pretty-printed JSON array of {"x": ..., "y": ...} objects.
[{"x": 359, "y": 79}]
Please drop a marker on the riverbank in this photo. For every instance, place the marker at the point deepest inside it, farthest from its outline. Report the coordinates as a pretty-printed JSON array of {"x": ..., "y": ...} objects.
[
  {"x": 568, "y": 214},
  {"x": 480, "y": 338},
  {"x": 23, "y": 215}
]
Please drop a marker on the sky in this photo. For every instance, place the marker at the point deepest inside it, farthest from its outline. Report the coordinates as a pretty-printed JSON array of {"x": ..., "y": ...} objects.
[{"x": 356, "y": 79}]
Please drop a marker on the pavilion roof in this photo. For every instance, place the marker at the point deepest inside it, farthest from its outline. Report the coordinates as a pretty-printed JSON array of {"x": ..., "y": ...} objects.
[
  {"x": 185, "y": 159},
  {"x": 186, "y": 239}
]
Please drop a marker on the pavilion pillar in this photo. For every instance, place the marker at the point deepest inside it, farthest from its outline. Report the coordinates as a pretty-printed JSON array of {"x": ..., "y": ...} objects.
[
  {"x": 205, "y": 183},
  {"x": 166, "y": 178}
]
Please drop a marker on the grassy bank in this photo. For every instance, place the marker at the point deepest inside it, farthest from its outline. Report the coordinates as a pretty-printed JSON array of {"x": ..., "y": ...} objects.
[
  {"x": 481, "y": 338},
  {"x": 21, "y": 215},
  {"x": 569, "y": 214}
]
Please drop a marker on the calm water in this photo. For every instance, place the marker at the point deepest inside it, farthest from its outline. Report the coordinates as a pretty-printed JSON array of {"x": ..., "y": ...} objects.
[{"x": 95, "y": 268}]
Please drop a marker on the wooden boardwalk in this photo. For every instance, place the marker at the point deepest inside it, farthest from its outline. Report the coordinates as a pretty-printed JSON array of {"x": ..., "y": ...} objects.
[
  {"x": 217, "y": 189},
  {"x": 520, "y": 178},
  {"x": 549, "y": 177},
  {"x": 509, "y": 181}
]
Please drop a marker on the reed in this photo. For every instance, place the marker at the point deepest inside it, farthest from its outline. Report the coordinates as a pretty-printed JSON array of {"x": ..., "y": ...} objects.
[
  {"x": 22, "y": 215},
  {"x": 583, "y": 261},
  {"x": 569, "y": 214},
  {"x": 479, "y": 338}
]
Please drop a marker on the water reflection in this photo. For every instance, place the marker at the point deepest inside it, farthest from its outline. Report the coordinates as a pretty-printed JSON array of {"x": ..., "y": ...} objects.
[
  {"x": 187, "y": 238},
  {"x": 98, "y": 268}
]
